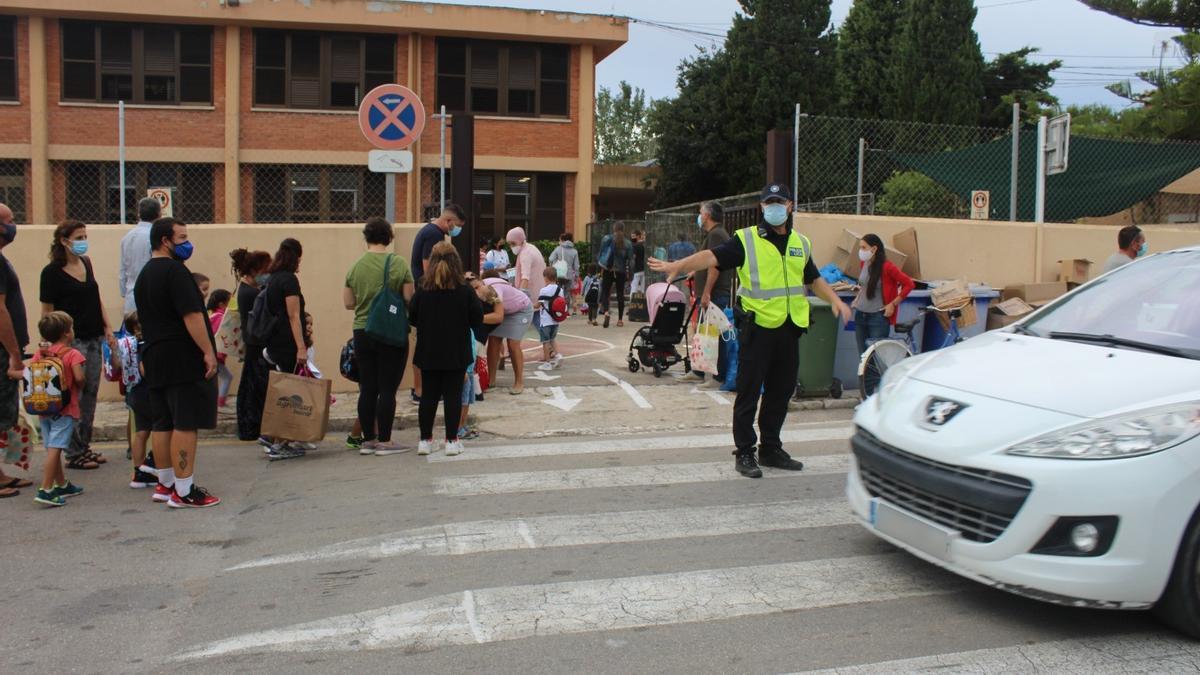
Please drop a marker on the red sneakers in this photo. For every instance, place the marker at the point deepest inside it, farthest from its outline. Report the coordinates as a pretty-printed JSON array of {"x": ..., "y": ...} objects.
[
  {"x": 162, "y": 493},
  {"x": 198, "y": 498}
]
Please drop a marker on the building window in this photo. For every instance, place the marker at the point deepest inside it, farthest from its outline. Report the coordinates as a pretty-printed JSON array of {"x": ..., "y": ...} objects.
[
  {"x": 506, "y": 199},
  {"x": 8, "y": 58},
  {"x": 313, "y": 70},
  {"x": 316, "y": 194},
  {"x": 151, "y": 63},
  {"x": 12, "y": 187},
  {"x": 94, "y": 190},
  {"x": 521, "y": 79}
]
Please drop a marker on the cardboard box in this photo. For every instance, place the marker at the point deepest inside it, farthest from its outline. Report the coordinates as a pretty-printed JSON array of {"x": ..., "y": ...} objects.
[
  {"x": 1035, "y": 294},
  {"x": 1008, "y": 312},
  {"x": 846, "y": 255},
  {"x": 1076, "y": 270},
  {"x": 906, "y": 243},
  {"x": 954, "y": 294}
]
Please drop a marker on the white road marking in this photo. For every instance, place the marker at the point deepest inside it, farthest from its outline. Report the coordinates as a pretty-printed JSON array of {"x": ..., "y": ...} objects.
[
  {"x": 541, "y": 376},
  {"x": 821, "y": 431},
  {"x": 517, "y": 612},
  {"x": 1133, "y": 653},
  {"x": 623, "y": 476},
  {"x": 608, "y": 346},
  {"x": 630, "y": 390},
  {"x": 559, "y": 400},
  {"x": 716, "y": 396},
  {"x": 485, "y": 536}
]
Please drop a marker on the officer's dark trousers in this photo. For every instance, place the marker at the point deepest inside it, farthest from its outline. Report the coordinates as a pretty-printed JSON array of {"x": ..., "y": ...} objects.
[{"x": 768, "y": 359}]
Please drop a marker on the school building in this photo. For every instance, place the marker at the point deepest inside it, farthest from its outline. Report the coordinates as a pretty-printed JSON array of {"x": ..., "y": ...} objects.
[{"x": 246, "y": 110}]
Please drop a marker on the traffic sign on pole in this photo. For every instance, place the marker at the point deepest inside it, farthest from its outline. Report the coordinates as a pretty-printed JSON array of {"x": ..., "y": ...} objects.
[{"x": 391, "y": 117}]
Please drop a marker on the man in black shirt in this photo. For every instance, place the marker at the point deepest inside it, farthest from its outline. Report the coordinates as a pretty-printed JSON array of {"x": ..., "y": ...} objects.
[
  {"x": 180, "y": 361},
  {"x": 638, "y": 282},
  {"x": 772, "y": 317},
  {"x": 14, "y": 336}
]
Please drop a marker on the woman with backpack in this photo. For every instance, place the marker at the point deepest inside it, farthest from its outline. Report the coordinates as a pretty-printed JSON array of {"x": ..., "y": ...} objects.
[
  {"x": 250, "y": 268},
  {"x": 615, "y": 252},
  {"x": 69, "y": 285},
  {"x": 379, "y": 275}
]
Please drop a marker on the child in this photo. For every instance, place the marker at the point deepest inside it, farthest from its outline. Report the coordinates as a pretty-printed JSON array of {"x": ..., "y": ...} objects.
[
  {"x": 58, "y": 332},
  {"x": 218, "y": 302},
  {"x": 591, "y": 292},
  {"x": 137, "y": 399},
  {"x": 466, "y": 433},
  {"x": 202, "y": 283},
  {"x": 547, "y": 327}
]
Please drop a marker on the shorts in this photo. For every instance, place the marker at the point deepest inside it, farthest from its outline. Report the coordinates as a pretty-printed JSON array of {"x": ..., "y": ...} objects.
[
  {"x": 468, "y": 392},
  {"x": 57, "y": 431},
  {"x": 188, "y": 406},
  {"x": 547, "y": 331},
  {"x": 137, "y": 399}
]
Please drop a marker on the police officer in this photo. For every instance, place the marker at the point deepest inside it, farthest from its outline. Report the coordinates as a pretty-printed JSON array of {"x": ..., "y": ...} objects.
[{"x": 774, "y": 264}]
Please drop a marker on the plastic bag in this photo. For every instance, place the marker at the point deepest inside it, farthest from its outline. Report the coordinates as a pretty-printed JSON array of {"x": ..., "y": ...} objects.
[{"x": 731, "y": 357}]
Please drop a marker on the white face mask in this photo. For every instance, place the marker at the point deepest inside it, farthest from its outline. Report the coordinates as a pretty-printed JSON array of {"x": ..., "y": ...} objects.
[{"x": 865, "y": 254}]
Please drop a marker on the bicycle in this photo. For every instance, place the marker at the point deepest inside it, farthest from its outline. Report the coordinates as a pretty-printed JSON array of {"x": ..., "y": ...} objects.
[{"x": 888, "y": 352}]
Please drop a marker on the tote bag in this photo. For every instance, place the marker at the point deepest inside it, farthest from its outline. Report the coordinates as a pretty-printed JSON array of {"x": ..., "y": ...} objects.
[{"x": 387, "y": 319}]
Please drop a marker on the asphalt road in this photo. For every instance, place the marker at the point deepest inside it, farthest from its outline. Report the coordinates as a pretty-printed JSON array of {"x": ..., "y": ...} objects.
[{"x": 610, "y": 554}]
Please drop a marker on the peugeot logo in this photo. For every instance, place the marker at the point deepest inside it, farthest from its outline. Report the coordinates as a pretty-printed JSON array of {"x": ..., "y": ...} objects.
[{"x": 939, "y": 411}]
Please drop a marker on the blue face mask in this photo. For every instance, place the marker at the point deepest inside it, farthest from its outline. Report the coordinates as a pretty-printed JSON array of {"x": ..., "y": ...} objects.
[
  {"x": 183, "y": 251},
  {"x": 456, "y": 230},
  {"x": 775, "y": 214},
  {"x": 79, "y": 247},
  {"x": 1142, "y": 251},
  {"x": 699, "y": 221},
  {"x": 262, "y": 279}
]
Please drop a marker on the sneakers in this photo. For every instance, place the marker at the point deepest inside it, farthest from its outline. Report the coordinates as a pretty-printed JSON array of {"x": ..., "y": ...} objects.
[
  {"x": 467, "y": 434},
  {"x": 368, "y": 448},
  {"x": 556, "y": 361},
  {"x": 390, "y": 448},
  {"x": 414, "y": 397},
  {"x": 424, "y": 448},
  {"x": 49, "y": 498},
  {"x": 546, "y": 365},
  {"x": 68, "y": 490},
  {"x": 266, "y": 443},
  {"x": 354, "y": 443},
  {"x": 162, "y": 493},
  {"x": 284, "y": 451},
  {"x": 694, "y": 376},
  {"x": 778, "y": 459},
  {"x": 141, "y": 479},
  {"x": 453, "y": 448},
  {"x": 198, "y": 498},
  {"x": 746, "y": 465}
]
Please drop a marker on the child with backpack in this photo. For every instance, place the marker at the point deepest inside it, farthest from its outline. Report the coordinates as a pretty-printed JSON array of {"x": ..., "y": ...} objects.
[
  {"x": 53, "y": 385},
  {"x": 591, "y": 292},
  {"x": 218, "y": 303},
  {"x": 137, "y": 400},
  {"x": 552, "y": 302}
]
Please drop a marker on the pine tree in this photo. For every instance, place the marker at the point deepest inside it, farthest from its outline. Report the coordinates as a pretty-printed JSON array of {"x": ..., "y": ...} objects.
[
  {"x": 865, "y": 57},
  {"x": 938, "y": 66}
]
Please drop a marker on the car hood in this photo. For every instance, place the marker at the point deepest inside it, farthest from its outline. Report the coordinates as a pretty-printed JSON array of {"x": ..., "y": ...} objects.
[{"x": 1072, "y": 378}]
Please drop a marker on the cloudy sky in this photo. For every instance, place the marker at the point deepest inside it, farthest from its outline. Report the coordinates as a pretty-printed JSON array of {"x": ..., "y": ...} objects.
[{"x": 1096, "y": 48}]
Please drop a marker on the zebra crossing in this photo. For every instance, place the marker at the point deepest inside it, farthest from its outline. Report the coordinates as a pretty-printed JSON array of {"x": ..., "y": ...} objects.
[{"x": 677, "y": 502}]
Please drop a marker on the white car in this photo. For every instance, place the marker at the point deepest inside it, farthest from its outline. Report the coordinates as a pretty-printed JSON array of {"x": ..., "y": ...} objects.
[{"x": 1058, "y": 458}]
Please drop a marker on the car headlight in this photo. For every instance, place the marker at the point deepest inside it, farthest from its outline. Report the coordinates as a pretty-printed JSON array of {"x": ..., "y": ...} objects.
[
  {"x": 1129, "y": 435},
  {"x": 893, "y": 377}
]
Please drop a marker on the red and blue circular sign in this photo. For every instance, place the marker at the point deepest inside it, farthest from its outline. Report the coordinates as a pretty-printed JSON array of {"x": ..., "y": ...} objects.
[{"x": 391, "y": 117}]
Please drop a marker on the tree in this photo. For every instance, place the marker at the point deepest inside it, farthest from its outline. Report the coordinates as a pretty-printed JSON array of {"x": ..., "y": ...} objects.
[
  {"x": 692, "y": 147},
  {"x": 938, "y": 71},
  {"x": 865, "y": 57},
  {"x": 911, "y": 193},
  {"x": 1179, "y": 13},
  {"x": 1012, "y": 78},
  {"x": 1171, "y": 108},
  {"x": 623, "y": 134}
]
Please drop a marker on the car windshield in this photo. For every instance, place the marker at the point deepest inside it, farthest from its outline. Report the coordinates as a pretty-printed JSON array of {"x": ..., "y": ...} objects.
[{"x": 1154, "y": 302}]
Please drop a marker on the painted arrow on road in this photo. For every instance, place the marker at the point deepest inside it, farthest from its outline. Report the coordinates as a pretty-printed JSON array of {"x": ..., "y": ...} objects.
[
  {"x": 541, "y": 375},
  {"x": 561, "y": 401}
]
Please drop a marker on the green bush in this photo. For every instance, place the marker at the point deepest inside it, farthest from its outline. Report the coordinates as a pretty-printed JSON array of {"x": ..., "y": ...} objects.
[{"x": 911, "y": 193}]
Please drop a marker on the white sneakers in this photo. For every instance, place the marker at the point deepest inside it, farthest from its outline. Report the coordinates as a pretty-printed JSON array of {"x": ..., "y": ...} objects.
[
  {"x": 453, "y": 448},
  {"x": 368, "y": 448},
  {"x": 424, "y": 448},
  {"x": 554, "y": 362},
  {"x": 427, "y": 447}
]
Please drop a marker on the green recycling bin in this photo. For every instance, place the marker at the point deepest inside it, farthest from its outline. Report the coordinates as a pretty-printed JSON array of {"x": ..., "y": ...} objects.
[{"x": 817, "y": 350}]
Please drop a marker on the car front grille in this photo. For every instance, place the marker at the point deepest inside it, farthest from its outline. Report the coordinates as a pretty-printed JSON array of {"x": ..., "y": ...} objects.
[{"x": 979, "y": 504}]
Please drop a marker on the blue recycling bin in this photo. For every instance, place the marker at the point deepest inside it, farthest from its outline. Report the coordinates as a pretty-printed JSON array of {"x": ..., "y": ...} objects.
[
  {"x": 845, "y": 362},
  {"x": 935, "y": 335}
]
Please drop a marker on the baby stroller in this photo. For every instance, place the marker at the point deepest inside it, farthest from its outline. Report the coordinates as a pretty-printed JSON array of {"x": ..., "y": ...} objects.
[{"x": 656, "y": 344}]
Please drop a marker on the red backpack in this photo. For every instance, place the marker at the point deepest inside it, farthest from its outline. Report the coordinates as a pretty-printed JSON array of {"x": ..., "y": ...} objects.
[{"x": 556, "y": 305}]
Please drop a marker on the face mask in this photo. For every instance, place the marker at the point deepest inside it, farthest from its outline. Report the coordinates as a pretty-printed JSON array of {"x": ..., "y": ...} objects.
[
  {"x": 865, "y": 255},
  {"x": 775, "y": 214},
  {"x": 261, "y": 279},
  {"x": 516, "y": 248},
  {"x": 699, "y": 221},
  {"x": 183, "y": 251},
  {"x": 1142, "y": 251},
  {"x": 79, "y": 247},
  {"x": 10, "y": 232},
  {"x": 455, "y": 231}
]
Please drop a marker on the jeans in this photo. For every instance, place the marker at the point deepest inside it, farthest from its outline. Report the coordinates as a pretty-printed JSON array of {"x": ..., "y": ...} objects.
[
  {"x": 869, "y": 328},
  {"x": 380, "y": 369},
  {"x": 638, "y": 283},
  {"x": 446, "y": 386},
  {"x": 92, "y": 368}
]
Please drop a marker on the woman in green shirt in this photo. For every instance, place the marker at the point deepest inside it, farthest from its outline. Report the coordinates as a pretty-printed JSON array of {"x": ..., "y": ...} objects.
[{"x": 380, "y": 366}]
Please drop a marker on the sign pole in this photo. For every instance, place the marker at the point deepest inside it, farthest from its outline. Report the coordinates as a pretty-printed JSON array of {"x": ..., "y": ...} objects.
[
  {"x": 1016, "y": 159},
  {"x": 1039, "y": 215},
  {"x": 796, "y": 157},
  {"x": 442, "y": 200},
  {"x": 862, "y": 150},
  {"x": 391, "y": 118},
  {"x": 121, "y": 155},
  {"x": 389, "y": 197}
]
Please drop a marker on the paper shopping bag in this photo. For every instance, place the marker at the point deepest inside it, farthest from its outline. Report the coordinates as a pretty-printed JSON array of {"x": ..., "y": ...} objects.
[{"x": 297, "y": 408}]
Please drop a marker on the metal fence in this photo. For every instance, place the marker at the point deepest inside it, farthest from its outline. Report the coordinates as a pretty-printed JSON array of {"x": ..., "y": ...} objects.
[
  {"x": 91, "y": 191},
  {"x": 311, "y": 193},
  {"x": 14, "y": 187},
  {"x": 887, "y": 167}
]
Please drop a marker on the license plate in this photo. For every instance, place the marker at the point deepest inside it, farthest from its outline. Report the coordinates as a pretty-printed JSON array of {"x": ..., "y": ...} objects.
[{"x": 912, "y": 530}]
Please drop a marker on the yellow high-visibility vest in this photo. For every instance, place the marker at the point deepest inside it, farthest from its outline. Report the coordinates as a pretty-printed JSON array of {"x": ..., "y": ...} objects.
[{"x": 772, "y": 285}]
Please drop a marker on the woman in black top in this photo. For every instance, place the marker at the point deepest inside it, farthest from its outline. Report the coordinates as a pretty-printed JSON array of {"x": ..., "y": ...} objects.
[
  {"x": 445, "y": 310},
  {"x": 286, "y": 348},
  {"x": 250, "y": 268},
  {"x": 69, "y": 285}
]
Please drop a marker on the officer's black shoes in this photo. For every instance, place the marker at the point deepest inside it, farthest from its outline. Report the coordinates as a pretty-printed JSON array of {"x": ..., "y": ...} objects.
[
  {"x": 746, "y": 465},
  {"x": 778, "y": 459}
]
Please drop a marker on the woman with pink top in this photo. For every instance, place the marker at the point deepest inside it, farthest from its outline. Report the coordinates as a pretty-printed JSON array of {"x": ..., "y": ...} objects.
[{"x": 518, "y": 316}]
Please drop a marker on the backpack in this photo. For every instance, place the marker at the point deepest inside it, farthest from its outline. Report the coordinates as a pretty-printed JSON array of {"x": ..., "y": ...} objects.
[
  {"x": 556, "y": 305},
  {"x": 348, "y": 363},
  {"x": 261, "y": 322},
  {"x": 47, "y": 385},
  {"x": 387, "y": 318}
]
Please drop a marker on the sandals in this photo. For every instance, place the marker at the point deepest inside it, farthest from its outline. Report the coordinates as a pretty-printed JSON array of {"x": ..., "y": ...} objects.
[
  {"x": 16, "y": 483},
  {"x": 7, "y": 492},
  {"x": 620, "y": 324},
  {"x": 82, "y": 462},
  {"x": 96, "y": 457}
]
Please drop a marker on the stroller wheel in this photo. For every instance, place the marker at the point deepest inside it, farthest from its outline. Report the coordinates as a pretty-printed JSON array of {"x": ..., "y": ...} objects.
[
  {"x": 658, "y": 369},
  {"x": 634, "y": 366}
]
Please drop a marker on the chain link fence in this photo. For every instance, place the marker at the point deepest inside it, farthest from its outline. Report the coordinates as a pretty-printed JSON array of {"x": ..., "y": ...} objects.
[
  {"x": 895, "y": 168},
  {"x": 91, "y": 191},
  {"x": 311, "y": 193}
]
